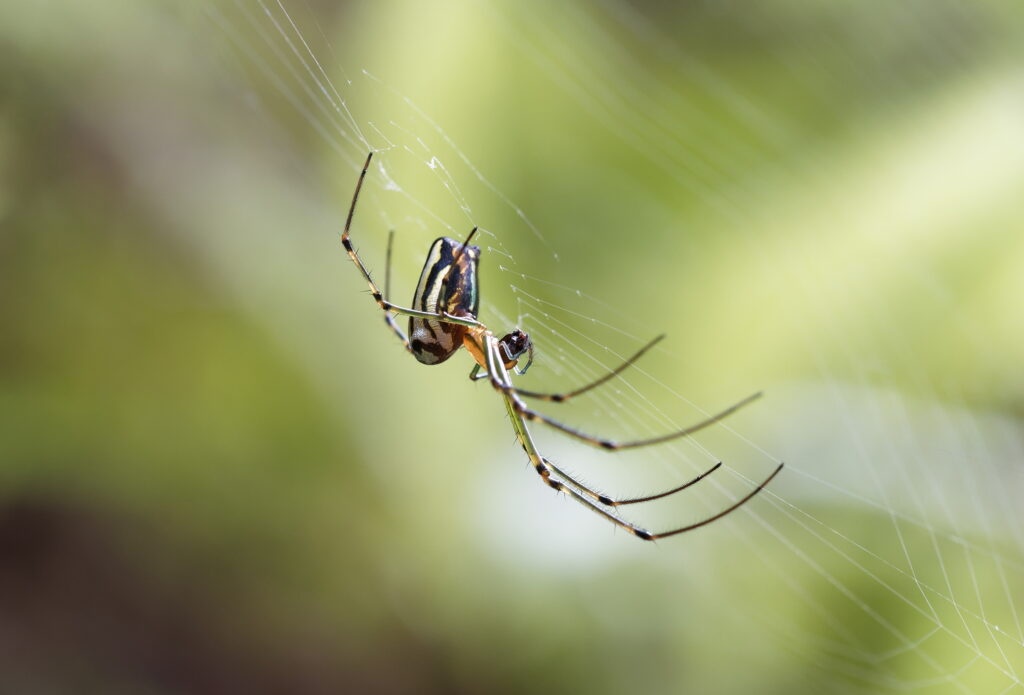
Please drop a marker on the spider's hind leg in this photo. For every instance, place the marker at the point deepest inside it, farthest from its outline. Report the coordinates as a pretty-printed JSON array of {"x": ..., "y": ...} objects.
[
  {"x": 566, "y": 395},
  {"x": 375, "y": 292},
  {"x": 389, "y": 318}
]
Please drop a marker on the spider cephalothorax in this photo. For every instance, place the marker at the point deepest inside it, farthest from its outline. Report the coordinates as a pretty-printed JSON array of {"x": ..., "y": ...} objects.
[
  {"x": 513, "y": 346},
  {"x": 443, "y": 318}
]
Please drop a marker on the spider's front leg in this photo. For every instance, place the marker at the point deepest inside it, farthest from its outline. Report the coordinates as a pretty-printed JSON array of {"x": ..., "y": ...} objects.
[
  {"x": 563, "y": 396},
  {"x": 610, "y": 445}
]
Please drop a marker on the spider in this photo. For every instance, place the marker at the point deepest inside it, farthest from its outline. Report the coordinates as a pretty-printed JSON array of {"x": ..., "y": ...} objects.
[{"x": 444, "y": 318}]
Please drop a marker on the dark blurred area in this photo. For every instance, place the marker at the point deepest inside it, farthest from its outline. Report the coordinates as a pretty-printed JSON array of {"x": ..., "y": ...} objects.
[{"x": 79, "y": 614}]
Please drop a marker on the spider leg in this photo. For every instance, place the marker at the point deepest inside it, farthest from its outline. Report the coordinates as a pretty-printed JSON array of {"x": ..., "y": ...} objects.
[
  {"x": 725, "y": 512},
  {"x": 378, "y": 296},
  {"x": 539, "y": 464},
  {"x": 504, "y": 385},
  {"x": 389, "y": 318},
  {"x": 562, "y": 397},
  {"x": 534, "y": 416},
  {"x": 544, "y": 469},
  {"x": 609, "y": 502}
]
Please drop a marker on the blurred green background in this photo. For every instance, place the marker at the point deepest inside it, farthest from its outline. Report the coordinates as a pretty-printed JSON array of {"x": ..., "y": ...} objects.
[{"x": 219, "y": 472}]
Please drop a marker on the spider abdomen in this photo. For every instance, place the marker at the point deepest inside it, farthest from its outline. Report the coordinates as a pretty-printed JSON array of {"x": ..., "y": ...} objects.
[{"x": 448, "y": 283}]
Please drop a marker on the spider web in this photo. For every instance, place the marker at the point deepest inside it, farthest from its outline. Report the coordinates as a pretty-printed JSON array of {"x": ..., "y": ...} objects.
[{"x": 889, "y": 555}]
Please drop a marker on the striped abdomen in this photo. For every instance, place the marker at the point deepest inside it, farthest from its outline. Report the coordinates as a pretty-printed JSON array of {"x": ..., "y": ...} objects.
[{"x": 446, "y": 284}]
